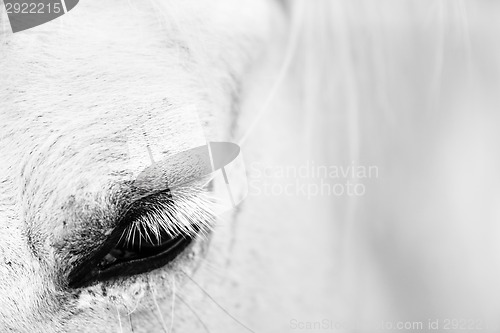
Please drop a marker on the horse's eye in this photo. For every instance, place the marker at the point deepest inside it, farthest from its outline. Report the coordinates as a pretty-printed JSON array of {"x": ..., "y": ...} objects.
[
  {"x": 138, "y": 243},
  {"x": 157, "y": 227},
  {"x": 134, "y": 247},
  {"x": 139, "y": 251}
]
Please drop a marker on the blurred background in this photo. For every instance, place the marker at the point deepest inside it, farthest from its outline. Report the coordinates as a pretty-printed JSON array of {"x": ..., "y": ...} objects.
[{"x": 410, "y": 88}]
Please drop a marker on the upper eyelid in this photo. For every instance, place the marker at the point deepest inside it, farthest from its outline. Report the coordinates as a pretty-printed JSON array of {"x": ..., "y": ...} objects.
[{"x": 190, "y": 201}]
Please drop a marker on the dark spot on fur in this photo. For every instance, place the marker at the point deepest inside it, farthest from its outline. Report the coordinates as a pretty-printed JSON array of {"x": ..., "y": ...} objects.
[
  {"x": 32, "y": 244},
  {"x": 76, "y": 293},
  {"x": 104, "y": 291},
  {"x": 77, "y": 311}
]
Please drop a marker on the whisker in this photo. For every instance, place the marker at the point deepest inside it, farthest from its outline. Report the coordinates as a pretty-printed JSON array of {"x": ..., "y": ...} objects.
[
  {"x": 164, "y": 326},
  {"x": 119, "y": 318},
  {"x": 173, "y": 306},
  {"x": 135, "y": 307},
  {"x": 205, "y": 327},
  {"x": 213, "y": 268},
  {"x": 130, "y": 322},
  {"x": 216, "y": 303}
]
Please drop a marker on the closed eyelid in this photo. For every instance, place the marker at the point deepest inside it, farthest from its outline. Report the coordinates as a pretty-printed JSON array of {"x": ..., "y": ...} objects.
[{"x": 148, "y": 208}]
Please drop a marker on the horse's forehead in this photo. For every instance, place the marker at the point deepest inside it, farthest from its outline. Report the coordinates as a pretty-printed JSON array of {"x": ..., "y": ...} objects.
[
  {"x": 108, "y": 63},
  {"x": 83, "y": 63},
  {"x": 92, "y": 76}
]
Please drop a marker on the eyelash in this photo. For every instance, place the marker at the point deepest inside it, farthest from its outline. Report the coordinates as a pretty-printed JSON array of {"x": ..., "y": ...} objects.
[{"x": 189, "y": 213}]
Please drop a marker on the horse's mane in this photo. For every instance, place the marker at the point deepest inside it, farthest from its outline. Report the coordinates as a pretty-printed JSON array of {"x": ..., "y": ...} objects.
[{"x": 352, "y": 58}]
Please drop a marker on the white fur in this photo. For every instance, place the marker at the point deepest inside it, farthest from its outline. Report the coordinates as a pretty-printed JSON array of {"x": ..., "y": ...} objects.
[
  {"x": 408, "y": 86},
  {"x": 72, "y": 90}
]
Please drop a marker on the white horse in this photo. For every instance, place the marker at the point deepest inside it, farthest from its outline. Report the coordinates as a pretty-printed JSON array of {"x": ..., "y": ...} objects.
[{"x": 368, "y": 134}]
